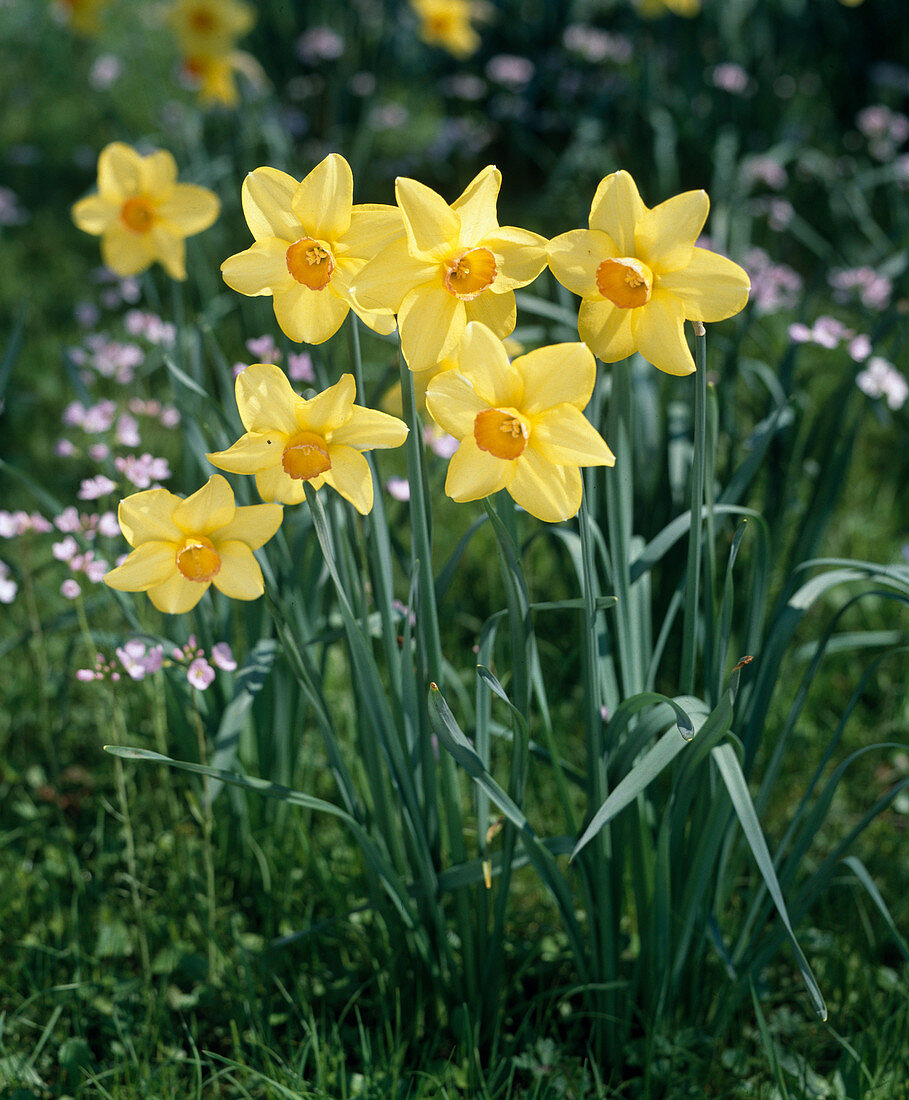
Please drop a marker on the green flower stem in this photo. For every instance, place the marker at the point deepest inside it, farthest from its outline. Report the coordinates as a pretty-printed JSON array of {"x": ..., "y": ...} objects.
[
  {"x": 207, "y": 856},
  {"x": 699, "y": 461},
  {"x": 713, "y": 686}
]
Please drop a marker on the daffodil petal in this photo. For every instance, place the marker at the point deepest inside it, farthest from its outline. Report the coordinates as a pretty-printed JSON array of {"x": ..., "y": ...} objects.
[
  {"x": 253, "y": 524},
  {"x": 350, "y": 476},
  {"x": 390, "y": 276},
  {"x": 665, "y": 235},
  {"x": 267, "y": 196},
  {"x": 659, "y": 334},
  {"x": 474, "y": 474},
  {"x": 555, "y": 375},
  {"x": 148, "y": 517},
  {"x": 710, "y": 288},
  {"x": 309, "y": 316},
  {"x": 119, "y": 170},
  {"x": 189, "y": 208},
  {"x": 575, "y": 256},
  {"x": 476, "y": 207},
  {"x": 266, "y": 400},
  {"x": 551, "y": 493},
  {"x": 330, "y": 409},
  {"x": 373, "y": 227},
  {"x": 565, "y": 436},
  {"x": 126, "y": 253},
  {"x": 606, "y": 330},
  {"x": 431, "y": 322},
  {"x": 498, "y": 312},
  {"x": 453, "y": 403},
  {"x": 239, "y": 577},
  {"x": 252, "y": 452},
  {"x": 431, "y": 225},
  {"x": 275, "y": 485},
  {"x": 178, "y": 595},
  {"x": 482, "y": 358},
  {"x": 208, "y": 508},
  {"x": 95, "y": 214},
  {"x": 170, "y": 250},
  {"x": 322, "y": 201},
  {"x": 616, "y": 210},
  {"x": 159, "y": 174},
  {"x": 520, "y": 256},
  {"x": 145, "y": 567},
  {"x": 261, "y": 269},
  {"x": 368, "y": 429}
]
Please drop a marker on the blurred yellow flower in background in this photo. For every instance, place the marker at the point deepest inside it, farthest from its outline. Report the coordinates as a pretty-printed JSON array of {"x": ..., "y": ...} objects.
[
  {"x": 310, "y": 243},
  {"x": 215, "y": 75},
  {"x": 651, "y": 9},
  {"x": 181, "y": 547},
  {"x": 82, "y": 15},
  {"x": 455, "y": 265},
  {"x": 290, "y": 440},
  {"x": 520, "y": 425},
  {"x": 208, "y": 27},
  {"x": 141, "y": 213},
  {"x": 449, "y": 24},
  {"x": 640, "y": 275}
]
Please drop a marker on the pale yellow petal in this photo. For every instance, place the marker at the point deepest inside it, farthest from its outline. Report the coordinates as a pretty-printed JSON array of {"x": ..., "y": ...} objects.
[
  {"x": 190, "y": 209},
  {"x": 616, "y": 210},
  {"x": 208, "y": 508},
  {"x": 261, "y": 269},
  {"x": 563, "y": 435},
  {"x": 520, "y": 256},
  {"x": 369, "y": 429},
  {"x": 178, "y": 595},
  {"x": 606, "y": 330},
  {"x": 158, "y": 173},
  {"x": 147, "y": 566},
  {"x": 253, "y": 524},
  {"x": 267, "y": 204},
  {"x": 94, "y": 214},
  {"x": 575, "y": 256},
  {"x": 386, "y": 280},
  {"x": 330, "y": 409},
  {"x": 483, "y": 360},
  {"x": 148, "y": 517},
  {"x": 476, "y": 207},
  {"x": 239, "y": 577},
  {"x": 551, "y": 493},
  {"x": 274, "y": 484},
  {"x": 474, "y": 474},
  {"x": 266, "y": 400},
  {"x": 498, "y": 312},
  {"x": 119, "y": 171},
  {"x": 431, "y": 322},
  {"x": 665, "y": 235},
  {"x": 309, "y": 316},
  {"x": 556, "y": 374},
  {"x": 322, "y": 201},
  {"x": 453, "y": 403},
  {"x": 349, "y": 475},
  {"x": 373, "y": 227},
  {"x": 169, "y": 250},
  {"x": 126, "y": 253},
  {"x": 710, "y": 288},
  {"x": 659, "y": 334},
  {"x": 431, "y": 225},
  {"x": 251, "y": 453}
]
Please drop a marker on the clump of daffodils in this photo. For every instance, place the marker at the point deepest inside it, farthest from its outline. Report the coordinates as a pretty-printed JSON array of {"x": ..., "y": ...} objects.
[{"x": 207, "y": 32}]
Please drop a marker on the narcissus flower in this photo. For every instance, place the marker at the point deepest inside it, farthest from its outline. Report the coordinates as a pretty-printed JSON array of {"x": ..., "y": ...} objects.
[
  {"x": 310, "y": 243},
  {"x": 641, "y": 276},
  {"x": 455, "y": 265},
  {"x": 141, "y": 213},
  {"x": 448, "y": 23},
  {"x": 181, "y": 547},
  {"x": 290, "y": 441},
  {"x": 209, "y": 26},
  {"x": 82, "y": 15},
  {"x": 520, "y": 425}
]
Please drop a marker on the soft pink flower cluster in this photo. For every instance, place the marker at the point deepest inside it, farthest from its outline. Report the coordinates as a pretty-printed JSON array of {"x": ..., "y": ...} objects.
[
  {"x": 885, "y": 130},
  {"x": 263, "y": 349},
  {"x": 8, "y": 587},
  {"x": 13, "y": 524},
  {"x": 139, "y": 659},
  {"x": 595, "y": 45},
  {"x": 773, "y": 286},
  {"x": 871, "y": 287},
  {"x": 828, "y": 332},
  {"x": 880, "y": 378}
]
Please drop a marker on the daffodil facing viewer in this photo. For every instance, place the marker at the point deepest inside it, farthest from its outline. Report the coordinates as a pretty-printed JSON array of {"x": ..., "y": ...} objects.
[
  {"x": 141, "y": 213},
  {"x": 310, "y": 243},
  {"x": 520, "y": 425},
  {"x": 182, "y": 547},
  {"x": 290, "y": 441},
  {"x": 209, "y": 26},
  {"x": 640, "y": 275},
  {"x": 455, "y": 265}
]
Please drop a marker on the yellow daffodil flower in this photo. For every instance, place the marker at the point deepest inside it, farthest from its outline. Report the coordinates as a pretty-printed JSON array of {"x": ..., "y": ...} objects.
[
  {"x": 650, "y": 9},
  {"x": 520, "y": 425},
  {"x": 181, "y": 547},
  {"x": 455, "y": 265},
  {"x": 209, "y": 27},
  {"x": 141, "y": 213},
  {"x": 640, "y": 276},
  {"x": 310, "y": 243},
  {"x": 290, "y": 441},
  {"x": 449, "y": 24},
  {"x": 215, "y": 76},
  {"x": 82, "y": 15}
]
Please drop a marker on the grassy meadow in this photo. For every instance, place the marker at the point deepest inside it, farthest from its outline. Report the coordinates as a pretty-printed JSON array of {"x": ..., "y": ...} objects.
[{"x": 453, "y": 587}]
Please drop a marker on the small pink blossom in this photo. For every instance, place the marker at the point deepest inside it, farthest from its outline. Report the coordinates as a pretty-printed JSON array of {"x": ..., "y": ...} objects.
[
  {"x": 223, "y": 657},
  {"x": 398, "y": 487},
  {"x": 8, "y": 587},
  {"x": 264, "y": 349},
  {"x": 170, "y": 417},
  {"x": 68, "y": 521},
  {"x": 127, "y": 431},
  {"x": 299, "y": 367},
  {"x": 881, "y": 379},
  {"x": 139, "y": 660},
  {"x": 66, "y": 549},
  {"x": 510, "y": 70},
  {"x": 200, "y": 674},
  {"x": 859, "y": 347},
  {"x": 319, "y": 44},
  {"x": 98, "y": 452},
  {"x": 64, "y": 448},
  {"x": 143, "y": 470},
  {"x": 108, "y": 525},
  {"x": 94, "y": 487},
  {"x": 105, "y": 71},
  {"x": 730, "y": 77},
  {"x": 70, "y": 589},
  {"x": 439, "y": 442}
]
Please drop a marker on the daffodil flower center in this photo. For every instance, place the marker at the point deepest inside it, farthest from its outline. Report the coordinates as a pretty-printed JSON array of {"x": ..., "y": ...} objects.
[
  {"x": 202, "y": 21},
  {"x": 468, "y": 274},
  {"x": 626, "y": 282},
  {"x": 305, "y": 456},
  {"x": 138, "y": 214},
  {"x": 310, "y": 263},
  {"x": 198, "y": 559},
  {"x": 500, "y": 432}
]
